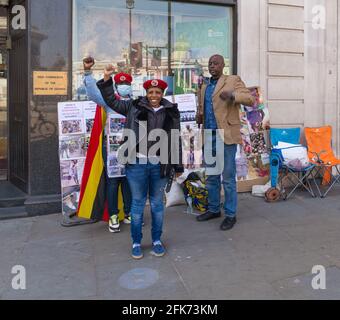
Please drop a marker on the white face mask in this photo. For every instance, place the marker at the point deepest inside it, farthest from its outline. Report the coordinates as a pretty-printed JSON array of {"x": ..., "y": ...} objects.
[{"x": 124, "y": 90}]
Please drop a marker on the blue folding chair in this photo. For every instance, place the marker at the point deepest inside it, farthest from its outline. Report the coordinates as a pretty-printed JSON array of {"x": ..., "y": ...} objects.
[
  {"x": 288, "y": 135},
  {"x": 279, "y": 170}
]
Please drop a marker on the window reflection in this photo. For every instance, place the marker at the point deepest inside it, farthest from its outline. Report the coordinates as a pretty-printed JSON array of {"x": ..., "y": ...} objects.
[{"x": 147, "y": 38}]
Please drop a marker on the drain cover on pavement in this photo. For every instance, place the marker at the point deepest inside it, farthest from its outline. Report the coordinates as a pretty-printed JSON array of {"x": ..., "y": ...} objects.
[{"x": 137, "y": 279}]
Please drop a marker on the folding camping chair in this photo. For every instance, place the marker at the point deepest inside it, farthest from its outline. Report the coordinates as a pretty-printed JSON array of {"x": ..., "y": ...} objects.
[
  {"x": 320, "y": 152},
  {"x": 289, "y": 135},
  {"x": 280, "y": 170}
]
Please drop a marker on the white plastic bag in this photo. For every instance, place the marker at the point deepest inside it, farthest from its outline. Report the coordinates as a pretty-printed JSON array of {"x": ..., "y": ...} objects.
[
  {"x": 259, "y": 191},
  {"x": 200, "y": 172},
  {"x": 176, "y": 196},
  {"x": 293, "y": 152}
]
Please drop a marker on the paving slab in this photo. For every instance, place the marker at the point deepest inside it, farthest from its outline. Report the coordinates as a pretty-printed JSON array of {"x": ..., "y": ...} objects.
[
  {"x": 300, "y": 287},
  {"x": 268, "y": 255},
  {"x": 56, "y": 271},
  {"x": 150, "y": 278}
]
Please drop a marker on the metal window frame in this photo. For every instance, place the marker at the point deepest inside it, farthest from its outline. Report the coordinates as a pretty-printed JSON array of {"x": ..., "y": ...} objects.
[{"x": 226, "y": 3}]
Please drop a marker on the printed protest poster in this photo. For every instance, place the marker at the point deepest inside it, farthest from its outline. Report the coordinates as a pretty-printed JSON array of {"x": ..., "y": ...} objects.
[
  {"x": 71, "y": 172},
  {"x": 252, "y": 159},
  {"x": 76, "y": 119},
  {"x": 70, "y": 200},
  {"x": 72, "y": 147},
  {"x": 116, "y": 125},
  {"x": 190, "y": 132},
  {"x": 89, "y": 115},
  {"x": 71, "y": 119},
  {"x": 75, "y": 126}
]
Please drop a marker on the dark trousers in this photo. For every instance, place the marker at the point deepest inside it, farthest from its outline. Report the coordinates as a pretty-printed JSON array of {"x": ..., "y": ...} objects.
[{"x": 112, "y": 189}]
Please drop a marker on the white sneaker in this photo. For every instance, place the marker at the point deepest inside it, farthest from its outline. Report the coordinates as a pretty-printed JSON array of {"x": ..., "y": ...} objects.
[
  {"x": 114, "y": 225},
  {"x": 127, "y": 220}
]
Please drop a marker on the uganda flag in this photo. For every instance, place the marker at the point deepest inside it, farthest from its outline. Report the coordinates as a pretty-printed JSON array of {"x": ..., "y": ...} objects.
[{"x": 92, "y": 202}]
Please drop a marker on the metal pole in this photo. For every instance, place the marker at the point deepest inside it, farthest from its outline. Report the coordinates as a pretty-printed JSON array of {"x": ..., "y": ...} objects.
[
  {"x": 130, "y": 23},
  {"x": 169, "y": 38},
  {"x": 147, "y": 58}
]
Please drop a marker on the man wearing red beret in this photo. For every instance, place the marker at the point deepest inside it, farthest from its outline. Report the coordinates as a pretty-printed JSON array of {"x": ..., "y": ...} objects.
[
  {"x": 147, "y": 175},
  {"x": 123, "y": 83}
]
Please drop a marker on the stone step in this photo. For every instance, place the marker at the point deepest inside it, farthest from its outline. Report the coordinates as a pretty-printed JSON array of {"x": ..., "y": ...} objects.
[
  {"x": 11, "y": 196},
  {"x": 12, "y": 202},
  {"x": 13, "y": 213}
]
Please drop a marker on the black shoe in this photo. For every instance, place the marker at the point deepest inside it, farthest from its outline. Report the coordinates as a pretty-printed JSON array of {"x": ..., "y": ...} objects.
[
  {"x": 208, "y": 216},
  {"x": 228, "y": 224}
]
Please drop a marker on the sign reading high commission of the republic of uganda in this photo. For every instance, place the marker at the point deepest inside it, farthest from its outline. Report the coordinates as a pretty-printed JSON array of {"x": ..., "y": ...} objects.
[{"x": 50, "y": 83}]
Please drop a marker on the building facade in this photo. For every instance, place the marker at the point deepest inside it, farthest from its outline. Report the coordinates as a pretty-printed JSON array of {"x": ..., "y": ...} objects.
[{"x": 285, "y": 46}]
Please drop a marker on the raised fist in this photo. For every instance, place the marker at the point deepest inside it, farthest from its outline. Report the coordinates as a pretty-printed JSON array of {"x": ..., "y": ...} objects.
[
  {"x": 199, "y": 118},
  {"x": 108, "y": 71},
  {"x": 227, "y": 96},
  {"x": 88, "y": 63}
]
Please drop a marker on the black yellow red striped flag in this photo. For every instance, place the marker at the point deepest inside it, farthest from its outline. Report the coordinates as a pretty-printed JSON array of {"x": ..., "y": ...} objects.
[{"x": 92, "y": 202}]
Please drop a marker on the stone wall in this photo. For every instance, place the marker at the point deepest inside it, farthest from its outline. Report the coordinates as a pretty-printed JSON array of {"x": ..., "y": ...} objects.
[{"x": 295, "y": 64}]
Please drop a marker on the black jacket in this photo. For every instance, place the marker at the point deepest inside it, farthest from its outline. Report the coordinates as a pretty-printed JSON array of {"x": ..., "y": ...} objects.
[{"x": 137, "y": 112}]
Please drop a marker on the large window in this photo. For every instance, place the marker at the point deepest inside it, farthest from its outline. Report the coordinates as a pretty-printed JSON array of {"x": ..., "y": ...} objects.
[{"x": 148, "y": 38}]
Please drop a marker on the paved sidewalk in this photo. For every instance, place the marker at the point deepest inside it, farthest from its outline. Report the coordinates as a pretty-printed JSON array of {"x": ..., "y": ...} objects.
[{"x": 269, "y": 255}]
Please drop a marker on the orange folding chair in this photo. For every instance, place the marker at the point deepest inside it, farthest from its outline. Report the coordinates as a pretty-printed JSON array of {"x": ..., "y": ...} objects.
[{"x": 320, "y": 152}]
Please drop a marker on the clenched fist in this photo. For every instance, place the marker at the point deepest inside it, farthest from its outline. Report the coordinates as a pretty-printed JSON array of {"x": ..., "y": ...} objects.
[
  {"x": 108, "y": 72},
  {"x": 199, "y": 118},
  {"x": 88, "y": 63},
  {"x": 227, "y": 96}
]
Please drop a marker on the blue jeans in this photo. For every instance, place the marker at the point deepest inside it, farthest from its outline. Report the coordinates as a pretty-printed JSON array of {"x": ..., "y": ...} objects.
[
  {"x": 144, "y": 180},
  {"x": 214, "y": 182},
  {"x": 112, "y": 190}
]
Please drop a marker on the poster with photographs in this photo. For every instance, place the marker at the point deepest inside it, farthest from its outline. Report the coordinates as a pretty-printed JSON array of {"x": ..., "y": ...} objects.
[
  {"x": 89, "y": 115},
  {"x": 71, "y": 120},
  {"x": 190, "y": 132},
  {"x": 72, "y": 147},
  {"x": 71, "y": 172},
  {"x": 116, "y": 124},
  {"x": 252, "y": 159},
  {"x": 75, "y": 125},
  {"x": 70, "y": 199},
  {"x": 87, "y": 142}
]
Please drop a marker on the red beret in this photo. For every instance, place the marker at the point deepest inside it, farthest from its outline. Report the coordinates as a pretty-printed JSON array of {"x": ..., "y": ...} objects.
[
  {"x": 156, "y": 83},
  {"x": 122, "y": 77}
]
